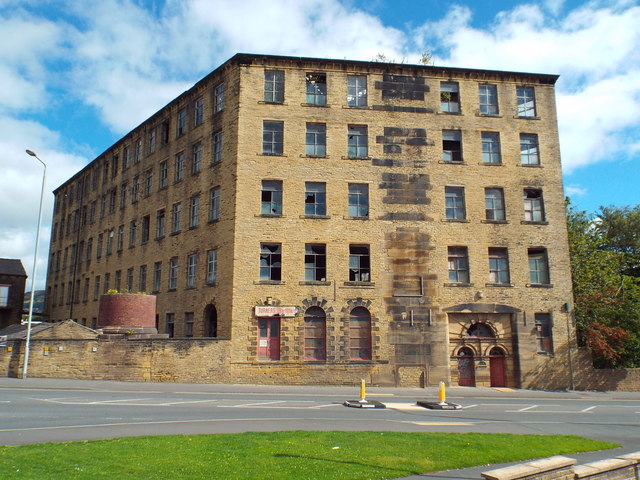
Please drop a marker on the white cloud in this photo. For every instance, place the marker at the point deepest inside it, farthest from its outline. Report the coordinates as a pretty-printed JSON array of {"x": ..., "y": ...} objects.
[{"x": 575, "y": 191}]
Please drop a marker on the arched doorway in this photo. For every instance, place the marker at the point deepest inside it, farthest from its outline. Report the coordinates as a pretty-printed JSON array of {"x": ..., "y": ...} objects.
[
  {"x": 496, "y": 368},
  {"x": 210, "y": 321},
  {"x": 466, "y": 368}
]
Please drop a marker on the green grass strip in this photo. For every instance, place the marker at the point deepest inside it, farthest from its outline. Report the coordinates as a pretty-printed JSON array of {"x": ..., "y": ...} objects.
[{"x": 279, "y": 455}]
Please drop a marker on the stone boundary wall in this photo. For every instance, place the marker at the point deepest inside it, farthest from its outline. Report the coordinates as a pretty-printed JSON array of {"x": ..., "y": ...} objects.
[{"x": 624, "y": 467}]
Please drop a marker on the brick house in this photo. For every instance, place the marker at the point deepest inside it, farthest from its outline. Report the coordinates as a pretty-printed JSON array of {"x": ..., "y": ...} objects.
[
  {"x": 331, "y": 219},
  {"x": 12, "y": 282}
]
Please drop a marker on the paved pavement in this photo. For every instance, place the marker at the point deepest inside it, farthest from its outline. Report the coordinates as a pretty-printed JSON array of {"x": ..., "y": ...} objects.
[{"x": 35, "y": 410}]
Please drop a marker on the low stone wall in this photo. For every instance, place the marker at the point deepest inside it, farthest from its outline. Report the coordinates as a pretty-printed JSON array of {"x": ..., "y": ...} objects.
[{"x": 625, "y": 467}]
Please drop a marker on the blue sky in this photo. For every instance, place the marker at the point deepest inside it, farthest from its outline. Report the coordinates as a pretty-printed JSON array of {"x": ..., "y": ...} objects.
[{"x": 77, "y": 75}]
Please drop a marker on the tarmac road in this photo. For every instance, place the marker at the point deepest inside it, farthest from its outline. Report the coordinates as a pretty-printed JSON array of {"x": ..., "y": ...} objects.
[{"x": 55, "y": 410}]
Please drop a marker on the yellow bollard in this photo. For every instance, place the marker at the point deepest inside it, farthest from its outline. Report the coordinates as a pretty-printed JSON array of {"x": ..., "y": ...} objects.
[
  {"x": 363, "y": 395},
  {"x": 441, "y": 393}
]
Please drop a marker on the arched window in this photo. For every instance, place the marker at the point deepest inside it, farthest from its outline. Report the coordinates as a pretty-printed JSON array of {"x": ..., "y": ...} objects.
[
  {"x": 360, "y": 334},
  {"x": 211, "y": 321},
  {"x": 315, "y": 334},
  {"x": 480, "y": 330}
]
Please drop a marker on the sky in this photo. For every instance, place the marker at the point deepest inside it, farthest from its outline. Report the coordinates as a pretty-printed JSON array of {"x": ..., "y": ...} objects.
[{"x": 76, "y": 75}]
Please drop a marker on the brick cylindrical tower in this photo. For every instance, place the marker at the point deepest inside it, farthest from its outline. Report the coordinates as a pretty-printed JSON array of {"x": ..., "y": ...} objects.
[{"x": 127, "y": 313}]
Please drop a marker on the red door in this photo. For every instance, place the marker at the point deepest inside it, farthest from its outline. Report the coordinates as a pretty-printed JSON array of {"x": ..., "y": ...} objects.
[
  {"x": 269, "y": 339},
  {"x": 466, "y": 368},
  {"x": 496, "y": 368}
]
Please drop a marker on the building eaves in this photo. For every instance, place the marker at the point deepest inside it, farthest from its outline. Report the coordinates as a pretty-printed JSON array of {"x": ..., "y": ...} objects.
[{"x": 13, "y": 267}]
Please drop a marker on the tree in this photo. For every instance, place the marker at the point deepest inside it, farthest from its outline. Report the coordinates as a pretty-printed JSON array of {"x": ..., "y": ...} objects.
[{"x": 606, "y": 296}]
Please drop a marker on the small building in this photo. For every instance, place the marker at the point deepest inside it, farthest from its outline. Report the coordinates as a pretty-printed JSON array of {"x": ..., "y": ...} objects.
[{"x": 12, "y": 281}]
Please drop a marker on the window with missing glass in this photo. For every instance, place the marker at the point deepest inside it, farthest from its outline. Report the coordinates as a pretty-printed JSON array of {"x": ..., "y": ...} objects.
[
  {"x": 315, "y": 262},
  {"x": 271, "y": 202},
  {"x": 359, "y": 263},
  {"x": 270, "y": 261},
  {"x": 315, "y": 201},
  {"x": 358, "y": 200},
  {"x": 357, "y": 141},
  {"x": 316, "y": 89}
]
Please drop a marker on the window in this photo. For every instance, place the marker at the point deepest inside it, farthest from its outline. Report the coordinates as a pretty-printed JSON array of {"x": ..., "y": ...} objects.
[
  {"x": 357, "y": 141},
  {"x": 216, "y": 150},
  {"x": 105, "y": 175},
  {"x": 130, "y": 279},
  {"x": 315, "y": 334},
  {"x": 120, "y": 240},
  {"x": 98, "y": 250},
  {"x": 112, "y": 204},
  {"x": 164, "y": 175},
  {"x": 176, "y": 210},
  {"x": 194, "y": 207},
  {"x": 179, "y": 170},
  {"x": 451, "y": 146},
  {"x": 109, "y": 247},
  {"x": 4, "y": 295},
  {"x": 214, "y": 204},
  {"x": 89, "y": 252},
  {"x": 212, "y": 266},
  {"x": 218, "y": 98},
  {"x": 357, "y": 91},
  {"x": 449, "y": 97},
  {"x": 152, "y": 140},
  {"x": 358, "y": 200},
  {"x": 107, "y": 282},
  {"x": 494, "y": 204},
  {"x": 146, "y": 220},
  {"x": 533, "y": 205},
  {"x": 114, "y": 172},
  {"x": 157, "y": 276},
  {"x": 192, "y": 263},
  {"x": 359, "y": 263},
  {"x": 137, "y": 155},
  {"x": 272, "y": 138},
  {"x": 188, "y": 324},
  {"x": 271, "y": 198},
  {"x": 96, "y": 288},
  {"x": 273, "y": 86},
  {"x": 196, "y": 158},
  {"x": 199, "y": 112},
  {"x": 315, "y": 200},
  {"x": 132, "y": 233},
  {"x": 103, "y": 208},
  {"x": 498, "y": 266},
  {"x": 316, "y": 89},
  {"x": 123, "y": 195},
  {"x": 182, "y": 123},
  {"x": 538, "y": 266},
  {"x": 529, "y": 154},
  {"x": 170, "y": 324},
  {"x": 526, "y": 102},
  {"x": 148, "y": 182},
  {"x": 488, "y": 100},
  {"x": 117, "y": 280},
  {"x": 315, "y": 262},
  {"x": 491, "y": 148},
  {"x": 160, "y": 223},
  {"x": 125, "y": 158},
  {"x": 360, "y": 334},
  {"x": 454, "y": 203},
  {"x": 270, "y": 261},
  {"x": 164, "y": 132},
  {"x": 142, "y": 283},
  {"x": 544, "y": 337},
  {"x": 173, "y": 273},
  {"x": 85, "y": 291},
  {"x": 458, "y": 265},
  {"x": 316, "y": 140},
  {"x": 135, "y": 189}
]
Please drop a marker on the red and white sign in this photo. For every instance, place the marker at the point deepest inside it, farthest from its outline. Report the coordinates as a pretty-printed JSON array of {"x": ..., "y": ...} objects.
[{"x": 267, "y": 311}]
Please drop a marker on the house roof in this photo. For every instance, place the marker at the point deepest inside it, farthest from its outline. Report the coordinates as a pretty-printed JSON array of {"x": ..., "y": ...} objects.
[
  {"x": 12, "y": 266},
  {"x": 19, "y": 331}
]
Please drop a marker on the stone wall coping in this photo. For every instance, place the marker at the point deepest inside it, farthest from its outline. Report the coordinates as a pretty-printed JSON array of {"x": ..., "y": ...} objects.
[
  {"x": 601, "y": 466},
  {"x": 530, "y": 468},
  {"x": 633, "y": 456}
]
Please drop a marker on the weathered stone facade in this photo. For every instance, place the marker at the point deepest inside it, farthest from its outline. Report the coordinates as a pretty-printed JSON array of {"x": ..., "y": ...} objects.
[{"x": 401, "y": 222}]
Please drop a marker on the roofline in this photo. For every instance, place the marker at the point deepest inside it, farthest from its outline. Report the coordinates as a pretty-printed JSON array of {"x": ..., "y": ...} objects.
[{"x": 251, "y": 58}]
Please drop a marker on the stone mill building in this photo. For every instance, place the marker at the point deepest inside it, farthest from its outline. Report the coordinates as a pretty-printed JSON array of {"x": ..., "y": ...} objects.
[{"x": 320, "y": 221}]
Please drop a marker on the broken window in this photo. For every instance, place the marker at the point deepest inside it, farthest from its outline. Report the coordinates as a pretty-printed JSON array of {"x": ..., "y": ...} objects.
[
  {"x": 270, "y": 261},
  {"x": 315, "y": 262},
  {"x": 458, "y": 264},
  {"x": 271, "y": 203},
  {"x": 533, "y": 205},
  {"x": 451, "y": 146},
  {"x": 358, "y": 200},
  {"x": 316, "y": 88},
  {"x": 359, "y": 263},
  {"x": 358, "y": 141},
  {"x": 449, "y": 97},
  {"x": 315, "y": 201},
  {"x": 494, "y": 204}
]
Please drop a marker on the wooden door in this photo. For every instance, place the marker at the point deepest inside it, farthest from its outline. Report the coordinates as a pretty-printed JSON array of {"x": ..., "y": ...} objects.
[
  {"x": 269, "y": 339},
  {"x": 496, "y": 368},
  {"x": 466, "y": 368}
]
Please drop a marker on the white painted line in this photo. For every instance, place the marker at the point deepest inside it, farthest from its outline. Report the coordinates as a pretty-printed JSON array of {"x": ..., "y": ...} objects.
[
  {"x": 130, "y": 402},
  {"x": 257, "y": 404},
  {"x": 443, "y": 424},
  {"x": 328, "y": 405},
  {"x": 527, "y": 408},
  {"x": 470, "y": 406},
  {"x": 588, "y": 409}
]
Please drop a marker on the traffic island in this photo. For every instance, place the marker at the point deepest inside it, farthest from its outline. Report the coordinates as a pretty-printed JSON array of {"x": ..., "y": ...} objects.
[
  {"x": 363, "y": 402},
  {"x": 441, "y": 404}
]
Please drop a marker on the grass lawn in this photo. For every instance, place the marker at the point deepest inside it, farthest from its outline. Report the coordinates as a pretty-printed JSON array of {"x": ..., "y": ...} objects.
[{"x": 279, "y": 455}]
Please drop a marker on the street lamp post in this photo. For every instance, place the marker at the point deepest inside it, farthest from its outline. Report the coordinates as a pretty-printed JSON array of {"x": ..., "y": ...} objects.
[{"x": 25, "y": 370}]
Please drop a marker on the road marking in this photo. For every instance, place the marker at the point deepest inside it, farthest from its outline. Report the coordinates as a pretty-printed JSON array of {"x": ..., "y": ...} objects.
[
  {"x": 527, "y": 408},
  {"x": 588, "y": 409},
  {"x": 258, "y": 404},
  {"x": 120, "y": 403},
  {"x": 470, "y": 406},
  {"x": 443, "y": 424}
]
